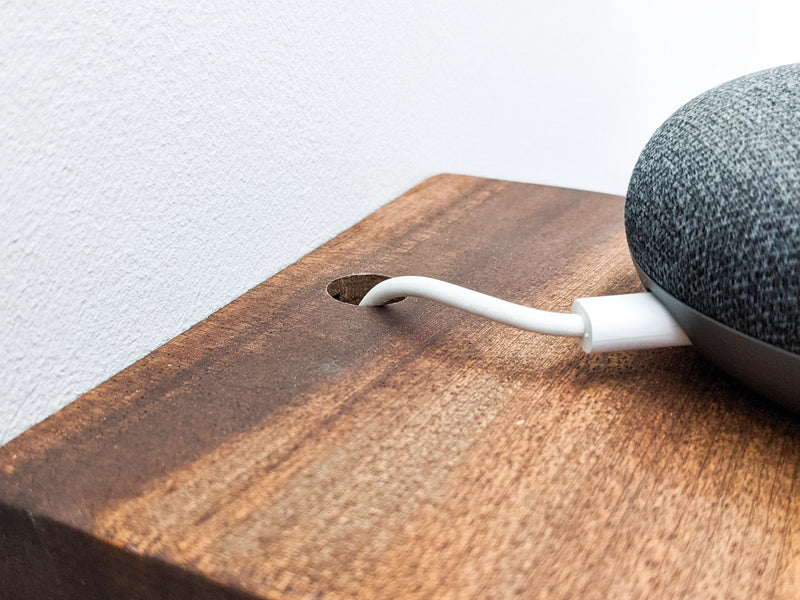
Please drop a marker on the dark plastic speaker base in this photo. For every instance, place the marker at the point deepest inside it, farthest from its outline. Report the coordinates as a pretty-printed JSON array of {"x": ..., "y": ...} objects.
[{"x": 771, "y": 371}]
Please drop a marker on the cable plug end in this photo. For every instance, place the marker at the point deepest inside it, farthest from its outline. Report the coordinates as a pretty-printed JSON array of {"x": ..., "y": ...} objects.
[{"x": 627, "y": 322}]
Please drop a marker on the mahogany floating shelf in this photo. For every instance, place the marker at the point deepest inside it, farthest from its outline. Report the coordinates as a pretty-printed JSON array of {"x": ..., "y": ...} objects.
[{"x": 292, "y": 446}]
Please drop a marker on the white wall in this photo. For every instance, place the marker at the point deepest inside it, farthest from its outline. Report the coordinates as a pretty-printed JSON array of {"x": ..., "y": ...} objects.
[{"x": 156, "y": 162}]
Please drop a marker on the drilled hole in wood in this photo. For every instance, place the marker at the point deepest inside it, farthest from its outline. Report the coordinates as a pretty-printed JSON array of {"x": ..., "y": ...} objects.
[{"x": 351, "y": 289}]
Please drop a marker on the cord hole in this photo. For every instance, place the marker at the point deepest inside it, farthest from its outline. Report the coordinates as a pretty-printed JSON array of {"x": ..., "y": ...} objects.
[{"x": 351, "y": 289}]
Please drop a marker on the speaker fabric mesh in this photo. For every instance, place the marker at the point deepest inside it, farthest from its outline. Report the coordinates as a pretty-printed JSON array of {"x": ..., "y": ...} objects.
[{"x": 713, "y": 207}]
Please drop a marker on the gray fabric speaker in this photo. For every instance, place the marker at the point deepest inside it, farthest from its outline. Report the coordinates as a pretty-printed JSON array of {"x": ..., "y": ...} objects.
[{"x": 713, "y": 224}]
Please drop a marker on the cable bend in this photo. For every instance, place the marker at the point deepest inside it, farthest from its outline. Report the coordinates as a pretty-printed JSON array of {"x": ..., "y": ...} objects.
[{"x": 516, "y": 315}]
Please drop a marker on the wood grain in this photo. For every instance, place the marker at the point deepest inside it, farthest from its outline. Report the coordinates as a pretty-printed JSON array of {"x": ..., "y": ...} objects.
[{"x": 292, "y": 446}]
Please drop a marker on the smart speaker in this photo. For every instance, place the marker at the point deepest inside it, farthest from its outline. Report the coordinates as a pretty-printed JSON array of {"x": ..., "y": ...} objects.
[{"x": 712, "y": 217}]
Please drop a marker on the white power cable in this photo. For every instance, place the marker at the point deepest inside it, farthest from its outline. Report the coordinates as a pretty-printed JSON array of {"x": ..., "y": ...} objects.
[
  {"x": 532, "y": 319},
  {"x": 603, "y": 324}
]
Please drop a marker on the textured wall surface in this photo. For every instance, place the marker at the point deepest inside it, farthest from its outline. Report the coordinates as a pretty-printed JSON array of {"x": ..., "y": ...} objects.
[{"x": 158, "y": 161}]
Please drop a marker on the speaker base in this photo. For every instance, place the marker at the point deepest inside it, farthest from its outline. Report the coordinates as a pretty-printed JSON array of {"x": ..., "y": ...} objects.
[{"x": 773, "y": 372}]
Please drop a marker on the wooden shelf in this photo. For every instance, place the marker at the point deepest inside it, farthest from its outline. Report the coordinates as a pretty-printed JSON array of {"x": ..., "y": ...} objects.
[{"x": 291, "y": 446}]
